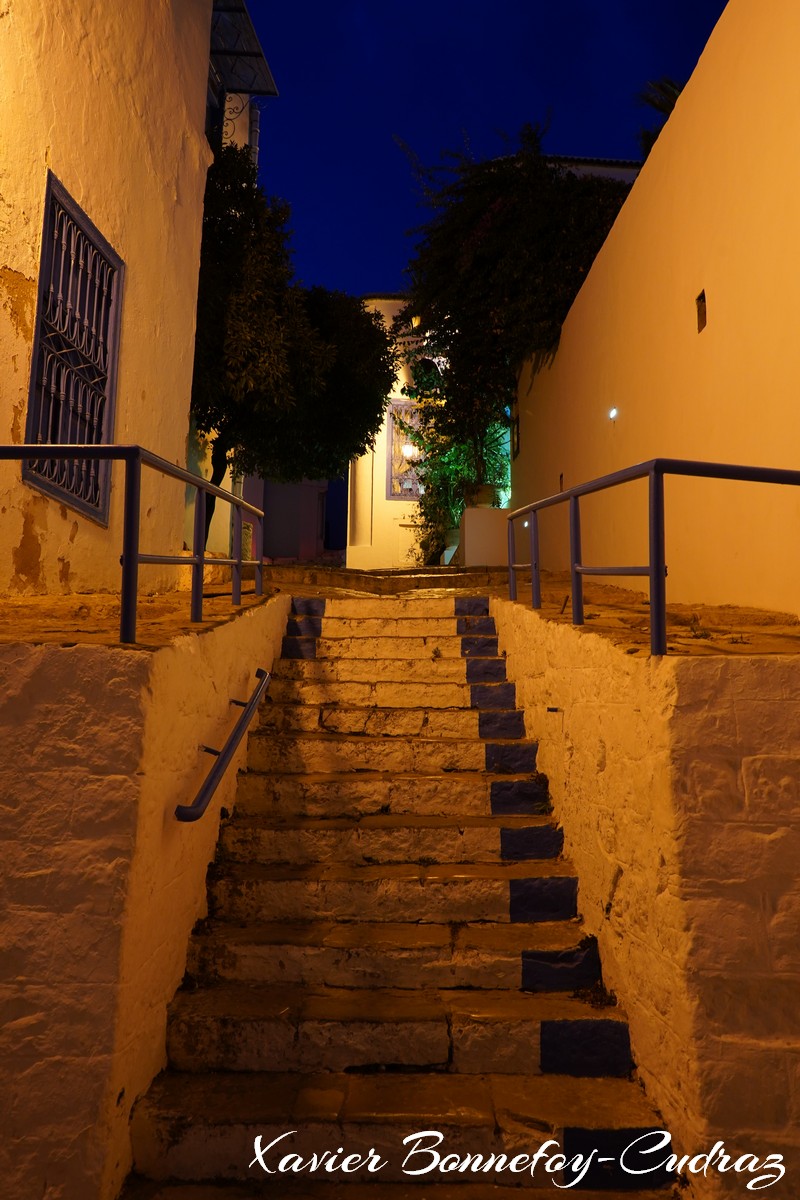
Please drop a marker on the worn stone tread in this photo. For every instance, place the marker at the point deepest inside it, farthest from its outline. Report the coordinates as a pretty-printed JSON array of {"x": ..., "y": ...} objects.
[
  {"x": 294, "y": 1003},
  {"x": 145, "y": 1189},
  {"x": 399, "y": 872},
  {"x": 388, "y": 935},
  {"x": 541, "y": 1103},
  {"x": 303, "y": 1189}
]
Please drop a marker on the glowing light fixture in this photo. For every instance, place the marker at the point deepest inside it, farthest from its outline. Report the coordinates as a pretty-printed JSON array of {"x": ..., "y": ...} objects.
[
  {"x": 524, "y": 524},
  {"x": 408, "y": 450},
  {"x": 613, "y": 414}
]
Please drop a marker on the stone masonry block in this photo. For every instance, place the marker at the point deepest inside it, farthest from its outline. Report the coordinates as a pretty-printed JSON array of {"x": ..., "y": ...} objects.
[{"x": 492, "y": 695}]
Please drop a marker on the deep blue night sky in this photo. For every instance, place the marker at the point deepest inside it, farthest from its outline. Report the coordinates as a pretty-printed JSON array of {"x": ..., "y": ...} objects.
[{"x": 353, "y": 75}]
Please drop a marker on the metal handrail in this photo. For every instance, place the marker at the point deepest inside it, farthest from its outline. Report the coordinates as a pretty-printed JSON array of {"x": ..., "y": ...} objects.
[
  {"x": 134, "y": 458},
  {"x": 656, "y": 570},
  {"x": 195, "y": 810}
]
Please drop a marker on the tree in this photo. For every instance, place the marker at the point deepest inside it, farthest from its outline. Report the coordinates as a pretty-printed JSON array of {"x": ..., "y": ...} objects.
[
  {"x": 661, "y": 95},
  {"x": 288, "y": 383},
  {"x": 494, "y": 273}
]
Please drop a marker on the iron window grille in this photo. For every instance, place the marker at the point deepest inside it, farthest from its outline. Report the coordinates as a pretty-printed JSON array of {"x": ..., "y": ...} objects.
[
  {"x": 75, "y": 349},
  {"x": 402, "y": 455}
]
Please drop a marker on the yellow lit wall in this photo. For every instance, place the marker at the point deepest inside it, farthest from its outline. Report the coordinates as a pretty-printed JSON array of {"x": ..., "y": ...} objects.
[
  {"x": 380, "y": 532},
  {"x": 112, "y": 100},
  {"x": 714, "y": 210}
]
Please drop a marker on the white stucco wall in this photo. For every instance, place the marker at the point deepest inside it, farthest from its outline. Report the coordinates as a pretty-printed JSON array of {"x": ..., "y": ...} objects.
[
  {"x": 101, "y": 885},
  {"x": 714, "y": 210},
  {"x": 677, "y": 782},
  {"x": 112, "y": 100}
]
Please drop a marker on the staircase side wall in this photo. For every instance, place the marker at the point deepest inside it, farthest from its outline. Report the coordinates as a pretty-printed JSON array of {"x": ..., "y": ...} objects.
[
  {"x": 677, "y": 783},
  {"x": 101, "y": 885}
]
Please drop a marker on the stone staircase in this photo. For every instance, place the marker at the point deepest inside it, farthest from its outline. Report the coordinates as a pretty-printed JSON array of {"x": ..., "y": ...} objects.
[{"x": 393, "y": 943}]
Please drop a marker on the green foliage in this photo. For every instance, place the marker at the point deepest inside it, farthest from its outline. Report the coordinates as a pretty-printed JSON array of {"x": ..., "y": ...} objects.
[
  {"x": 290, "y": 383},
  {"x": 495, "y": 271},
  {"x": 661, "y": 95}
]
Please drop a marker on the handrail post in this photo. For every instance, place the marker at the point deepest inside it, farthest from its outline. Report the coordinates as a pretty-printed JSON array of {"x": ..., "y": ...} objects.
[
  {"x": 575, "y": 559},
  {"x": 536, "y": 581},
  {"x": 236, "y": 569},
  {"x": 198, "y": 553},
  {"x": 512, "y": 570},
  {"x": 130, "y": 549},
  {"x": 258, "y": 553},
  {"x": 658, "y": 568}
]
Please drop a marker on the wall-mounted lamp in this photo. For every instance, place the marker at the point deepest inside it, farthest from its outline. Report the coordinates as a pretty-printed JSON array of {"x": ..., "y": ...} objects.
[
  {"x": 416, "y": 321},
  {"x": 524, "y": 524},
  {"x": 409, "y": 451},
  {"x": 613, "y": 413}
]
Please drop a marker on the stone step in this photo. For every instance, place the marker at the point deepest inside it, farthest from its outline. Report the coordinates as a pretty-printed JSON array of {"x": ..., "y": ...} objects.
[
  {"x": 356, "y": 626},
  {"x": 428, "y": 648},
  {"x": 251, "y": 1027},
  {"x": 391, "y": 607},
  {"x": 389, "y": 721},
  {"x": 409, "y": 672},
  {"x": 372, "y": 692},
  {"x": 545, "y": 891},
  {"x": 464, "y": 793},
  {"x": 331, "y": 752},
  {"x": 204, "y": 1127},
  {"x": 551, "y": 956},
  {"x": 314, "y": 1188},
  {"x": 388, "y": 838}
]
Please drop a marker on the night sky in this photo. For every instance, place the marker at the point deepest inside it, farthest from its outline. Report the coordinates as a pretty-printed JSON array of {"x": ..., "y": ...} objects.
[{"x": 354, "y": 75}]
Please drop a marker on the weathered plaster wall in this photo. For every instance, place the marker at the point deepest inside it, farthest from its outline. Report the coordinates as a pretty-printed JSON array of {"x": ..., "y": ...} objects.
[
  {"x": 677, "y": 784},
  {"x": 714, "y": 210},
  {"x": 380, "y": 532},
  {"x": 101, "y": 885},
  {"x": 112, "y": 100}
]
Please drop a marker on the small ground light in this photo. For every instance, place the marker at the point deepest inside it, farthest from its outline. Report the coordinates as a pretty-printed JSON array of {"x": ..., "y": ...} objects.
[{"x": 612, "y": 414}]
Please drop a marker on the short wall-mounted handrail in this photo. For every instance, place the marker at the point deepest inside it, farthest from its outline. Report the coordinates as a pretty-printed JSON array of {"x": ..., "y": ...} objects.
[
  {"x": 134, "y": 458},
  {"x": 195, "y": 810},
  {"x": 654, "y": 470}
]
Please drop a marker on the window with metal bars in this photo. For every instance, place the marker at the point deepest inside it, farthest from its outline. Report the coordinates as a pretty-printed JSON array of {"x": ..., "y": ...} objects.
[{"x": 74, "y": 354}]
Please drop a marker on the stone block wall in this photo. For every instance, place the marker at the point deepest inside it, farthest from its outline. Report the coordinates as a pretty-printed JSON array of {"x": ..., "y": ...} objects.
[
  {"x": 101, "y": 885},
  {"x": 676, "y": 782}
]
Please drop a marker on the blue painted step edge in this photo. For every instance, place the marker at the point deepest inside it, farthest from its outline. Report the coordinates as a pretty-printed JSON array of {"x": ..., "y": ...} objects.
[
  {"x": 472, "y": 606},
  {"x": 308, "y": 606},
  {"x": 610, "y": 1145},
  {"x": 552, "y": 899},
  {"x": 520, "y": 797},
  {"x": 592, "y": 1048},
  {"x": 561, "y": 970},
  {"x": 538, "y": 841},
  {"x": 501, "y": 723}
]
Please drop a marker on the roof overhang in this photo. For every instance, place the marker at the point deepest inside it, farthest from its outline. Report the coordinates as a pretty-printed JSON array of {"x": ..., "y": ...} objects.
[{"x": 236, "y": 52}]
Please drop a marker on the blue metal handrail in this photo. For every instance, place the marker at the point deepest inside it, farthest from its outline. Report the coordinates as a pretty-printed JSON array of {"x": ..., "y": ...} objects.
[
  {"x": 134, "y": 458},
  {"x": 195, "y": 810},
  {"x": 656, "y": 570}
]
